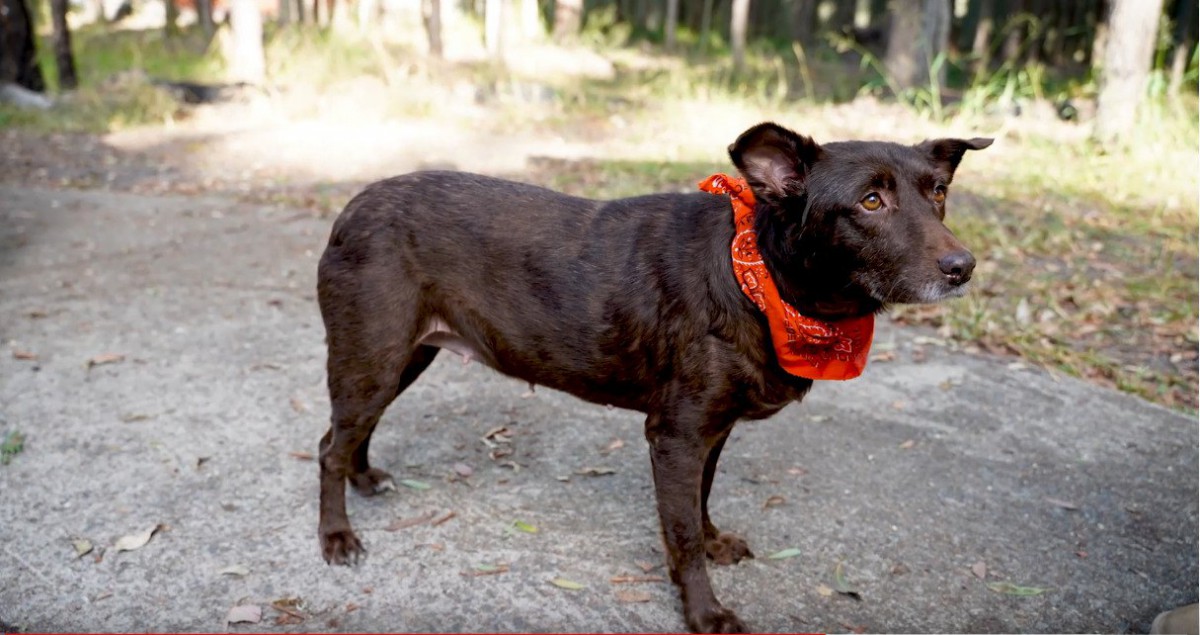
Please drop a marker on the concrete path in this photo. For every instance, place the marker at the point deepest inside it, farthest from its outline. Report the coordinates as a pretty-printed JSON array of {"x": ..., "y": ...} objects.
[{"x": 930, "y": 478}]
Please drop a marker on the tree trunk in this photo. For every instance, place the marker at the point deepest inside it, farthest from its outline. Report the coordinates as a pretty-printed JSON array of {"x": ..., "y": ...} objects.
[
  {"x": 204, "y": 16},
  {"x": 432, "y": 13},
  {"x": 706, "y": 20},
  {"x": 567, "y": 19},
  {"x": 63, "y": 58},
  {"x": 493, "y": 28},
  {"x": 18, "y": 47},
  {"x": 981, "y": 45},
  {"x": 1133, "y": 25},
  {"x": 245, "y": 21},
  {"x": 531, "y": 21},
  {"x": 669, "y": 25},
  {"x": 919, "y": 34},
  {"x": 1100, "y": 35},
  {"x": 285, "y": 11},
  {"x": 1185, "y": 43},
  {"x": 804, "y": 17},
  {"x": 1016, "y": 32},
  {"x": 170, "y": 24},
  {"x": 737, "y": 32},
  {"x": 842, "y": 17}
]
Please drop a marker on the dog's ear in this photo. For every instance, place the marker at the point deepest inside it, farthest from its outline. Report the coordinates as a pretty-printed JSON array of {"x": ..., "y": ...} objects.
[
  {"x": 774, "y": 160},
  {"x": 949, "y": 152}
]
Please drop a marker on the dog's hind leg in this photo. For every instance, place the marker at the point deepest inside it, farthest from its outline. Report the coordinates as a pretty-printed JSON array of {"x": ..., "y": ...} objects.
[
  {"x": 721, "y": 548},
  {"x": 367, "y": 480}
]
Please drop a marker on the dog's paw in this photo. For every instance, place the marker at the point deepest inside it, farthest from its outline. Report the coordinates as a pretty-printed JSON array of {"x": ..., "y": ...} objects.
[
  {"x": 727, "y": 549},
  {"x": 715, "y": 619},
  {"x": 372, "y": 482},
  {"x": 342, "y": 547}
]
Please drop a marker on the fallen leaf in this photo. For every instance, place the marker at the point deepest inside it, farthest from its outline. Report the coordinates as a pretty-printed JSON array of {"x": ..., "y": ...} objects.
[
  {"x": 135, "y": 541},
  {"x": 616, "y": 444},
  {"x": 24, "y": 355},
  {"x": 797, "y": 471},
  {"x": 404, "y": 523},
  {"x": 134, "y": 417},
  {"x": 244, "y": 614},
  {"x": 1067, "y": 505},
  {"x": 791, "y": 552},
  {"x": 487, "y": 569},
  {"x": 899, "y": 404},
  {"x": 907, "y": 445},
  {"x": 235, "y": 570},
  {"x": 979, "y": 569},
  {"x": 463, "y": 470},
  {"x": 445, "y": 516},
  {"x": 564, "y": 583},
  {"x": 1081, "y": 554},
  {"x": 14, "y": 444},
  {"x": 631, "y": 597},
  {"x": 524, "y": 526},
  {"x": 596, "y": 471},
  {"x": 774, "y": 501},
  {"x": 82, "y": 546},
  {"x": 1008, "y": 588},
  {"x": 352, "y": 607},
  {"x": 107, "y": 358},
  {"x": 824, "y": 591},
  {"x": 885, "y": 356},
  {"x": 647, "y": 567},
  {"x": 841, "y": 584},
  {"x": 301, "y": 455},
  {"x": 414, "y": 484},
  {"x": 298, "y": 405},
  {"x": 635, "y": 579},
  {"x": 818, "y": 418}
]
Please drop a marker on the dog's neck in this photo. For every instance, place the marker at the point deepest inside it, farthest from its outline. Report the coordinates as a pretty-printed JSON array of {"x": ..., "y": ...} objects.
[{"x": 816, "y": 289}]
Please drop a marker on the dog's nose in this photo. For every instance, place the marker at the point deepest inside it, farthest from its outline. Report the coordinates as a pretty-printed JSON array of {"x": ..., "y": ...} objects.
[{"x": 957, "y": 265}]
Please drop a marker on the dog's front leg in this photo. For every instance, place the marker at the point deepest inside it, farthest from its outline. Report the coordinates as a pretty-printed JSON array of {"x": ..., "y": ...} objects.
[{"x": 679, "y": 448}]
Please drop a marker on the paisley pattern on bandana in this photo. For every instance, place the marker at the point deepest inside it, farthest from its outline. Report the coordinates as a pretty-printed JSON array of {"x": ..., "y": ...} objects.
[{"x": 805, "y": 347}]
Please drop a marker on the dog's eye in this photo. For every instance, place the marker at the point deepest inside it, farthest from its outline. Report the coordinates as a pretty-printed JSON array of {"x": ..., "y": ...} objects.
[
  {"x": 871, "y": 202},
  {"x": 939, "y": 194}
]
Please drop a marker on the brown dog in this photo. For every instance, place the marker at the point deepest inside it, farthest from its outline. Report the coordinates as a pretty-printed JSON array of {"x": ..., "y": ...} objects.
[{"x": 632, "y": 302}]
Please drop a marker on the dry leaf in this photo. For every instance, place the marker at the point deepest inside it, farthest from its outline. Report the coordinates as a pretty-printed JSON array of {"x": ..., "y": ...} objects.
[
  {"x": 631, "y": 597},
  {"x": 774, "y": 501},
  {"x": 486, "y": 569},
  {"x": 635, "y": 579},
  {"x": 908, "y": 445},
  {"x": 404, "y": 523},
  {"x": 301, "y": 455},
  {"x": 82, "y": 546},
  {"x": 824, "y": 591},
  {"x": 885, "y": 356},
  {"x": 236, "y": 570},
  {"x": 616, "y": 444},
  {"x": 298, "y": 405},
  {"x": 107, "y": 358},
  {"x": 244, "y": 614},
  {"x": 647, "y": 567},
  {"x": 135, "y": 541},
  {"x": 24, "y": 355},
  {"x": 445, "y": 516},
  {"x": 463, "y": 470},
  {"x": 564, "y": 583},
  {"x": 979, "y": 569},
  {"x": 596, "y": 471}
]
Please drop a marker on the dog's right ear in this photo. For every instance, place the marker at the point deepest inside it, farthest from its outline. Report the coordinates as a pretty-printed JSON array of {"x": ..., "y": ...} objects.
[{"x": 774, "y": 160}]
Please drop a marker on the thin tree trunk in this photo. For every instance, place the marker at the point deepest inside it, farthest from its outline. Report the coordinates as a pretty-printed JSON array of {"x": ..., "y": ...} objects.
[
  {"x": 1185, "y": 43},
  {"x": 285, "y": 11},
  {"x": 919, "y": 34},
  {"x": 804, "y": 17},
  {"x": 245, "y": 20},
  {"x": 672, "y": 20},
  {"x": 567, "y": 17},
  {"x": 706, "y": 20},
  {"x": 204, "y": 16},
  {"x": 63, "y": 58},
  {"x": 170, "y": 24},
  {"x": 18, "y": 47},
  {"x": 1100, "y": 36},
  {"x": 737, "y": 32},
  {"x": 1016, "y": 32},
  {"x": 981, "y": 46},
  {"x": 432, "y": 13},
  {"x": 1133, "y": 26},
  {"x": 493, "y": 28}
]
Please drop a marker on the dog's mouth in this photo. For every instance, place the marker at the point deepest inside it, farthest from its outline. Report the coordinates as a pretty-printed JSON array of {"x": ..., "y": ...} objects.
[{"x": 903, "y": 291}]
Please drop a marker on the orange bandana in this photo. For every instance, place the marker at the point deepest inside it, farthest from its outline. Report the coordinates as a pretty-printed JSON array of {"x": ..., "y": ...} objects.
[{"x": 806, "y": 347}]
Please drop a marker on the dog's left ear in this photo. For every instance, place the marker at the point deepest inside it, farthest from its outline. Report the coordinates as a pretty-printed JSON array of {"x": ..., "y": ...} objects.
[
  {"x": 774, "y": 160},
  {"x": 949, "y": 152}
]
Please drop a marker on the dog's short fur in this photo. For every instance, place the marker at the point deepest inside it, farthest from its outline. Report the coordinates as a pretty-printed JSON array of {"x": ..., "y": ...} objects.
[{"x": 630, "y": 302}]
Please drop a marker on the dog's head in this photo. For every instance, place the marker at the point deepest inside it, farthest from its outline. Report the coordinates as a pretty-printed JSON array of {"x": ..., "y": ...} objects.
[{"x": 852, "y": 226}]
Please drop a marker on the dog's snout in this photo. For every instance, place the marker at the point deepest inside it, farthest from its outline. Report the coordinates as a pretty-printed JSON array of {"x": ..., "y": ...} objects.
[{"x": 957, "y": 266}]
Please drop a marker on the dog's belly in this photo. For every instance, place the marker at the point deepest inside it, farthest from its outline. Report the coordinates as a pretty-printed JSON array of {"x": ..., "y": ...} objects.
[{"x": 600, "y": 388}]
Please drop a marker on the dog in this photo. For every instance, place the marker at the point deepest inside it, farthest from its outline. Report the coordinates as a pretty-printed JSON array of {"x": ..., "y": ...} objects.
[{"x": 667, "y": 304}]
